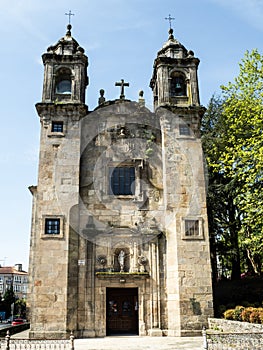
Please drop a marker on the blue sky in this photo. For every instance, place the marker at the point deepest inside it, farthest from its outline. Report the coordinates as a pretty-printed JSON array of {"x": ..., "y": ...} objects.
[{"x": 121, "y": 39}]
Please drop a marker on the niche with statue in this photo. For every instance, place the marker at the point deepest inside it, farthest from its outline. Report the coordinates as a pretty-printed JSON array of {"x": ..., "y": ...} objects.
[{"x": 121, "y": 260}]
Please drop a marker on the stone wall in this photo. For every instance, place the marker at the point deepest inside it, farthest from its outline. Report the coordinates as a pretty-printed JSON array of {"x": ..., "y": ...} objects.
[{"x": 228, "y": 326}]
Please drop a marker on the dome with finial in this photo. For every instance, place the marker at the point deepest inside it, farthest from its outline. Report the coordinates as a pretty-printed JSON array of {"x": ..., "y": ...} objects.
[
  {"x": 67, "y": 45},
  {"x": 173, "y": 48}
]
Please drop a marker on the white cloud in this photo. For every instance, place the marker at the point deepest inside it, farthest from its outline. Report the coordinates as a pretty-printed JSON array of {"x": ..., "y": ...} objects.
[{"x": 249, "y": 10}]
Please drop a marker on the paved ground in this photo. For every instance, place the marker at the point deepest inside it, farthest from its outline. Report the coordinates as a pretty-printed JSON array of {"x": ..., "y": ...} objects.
[
  {"x": 139, "y": 343},
  {"x": 134, "y": 343}
]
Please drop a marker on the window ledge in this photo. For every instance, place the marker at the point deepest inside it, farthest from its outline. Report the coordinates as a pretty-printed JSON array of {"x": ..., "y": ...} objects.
[
  {"x": 193, "y": 238},
  {"x": 56, "y": 134},
  {"x": 111, "y": 275},
  {"x": 186, "y": 137},
  {"x": 123, "y": 196},
  {"x": 52, "y": 236}
]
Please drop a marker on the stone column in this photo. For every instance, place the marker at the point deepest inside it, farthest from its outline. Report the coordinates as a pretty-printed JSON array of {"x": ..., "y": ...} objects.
[
  {"x": 141, "y": 296},
  {"x": 109, "y": 256},
  {"x": 48, "y": 83},
  {"x": 155, "y": 317},
  {"x": 163, "y": 85},
  {"x": 135, "y": 257},
  {"x": 89, "y": 293}
]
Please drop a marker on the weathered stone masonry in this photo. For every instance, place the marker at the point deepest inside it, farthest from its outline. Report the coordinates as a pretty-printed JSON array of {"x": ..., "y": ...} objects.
[{"x": 119, "y": 180}]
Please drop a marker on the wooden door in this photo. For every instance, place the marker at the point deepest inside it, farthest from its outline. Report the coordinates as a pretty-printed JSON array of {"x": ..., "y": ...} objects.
[{"x": 122, "y": 311}]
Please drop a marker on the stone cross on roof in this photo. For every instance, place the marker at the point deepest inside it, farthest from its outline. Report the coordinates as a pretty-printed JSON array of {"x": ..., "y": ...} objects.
[
  {"x": 69, "y": 14},
  {"x": 122, "y": 84},
  {"x": 170, "y": 19}
]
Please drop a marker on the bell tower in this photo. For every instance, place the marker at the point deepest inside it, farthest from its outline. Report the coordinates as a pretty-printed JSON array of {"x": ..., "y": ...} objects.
[
  {"x": 65, "y": 78},
  {"x": 176, "y": 102},
  {"x": 61, "y": 110},
  {"x": 174, "y": 81},
  {"x": 175, "y": 84}
]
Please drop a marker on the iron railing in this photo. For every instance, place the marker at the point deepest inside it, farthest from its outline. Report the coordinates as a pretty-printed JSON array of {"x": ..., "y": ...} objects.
[
  {"x": 9, "y": 343},
  {"x": 235, "y": 341}
]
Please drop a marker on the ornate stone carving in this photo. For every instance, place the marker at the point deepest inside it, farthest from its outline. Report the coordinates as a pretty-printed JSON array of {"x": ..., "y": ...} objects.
[
  {"x": 102, "y": 260},
  {"x": 142, "y": 261}
]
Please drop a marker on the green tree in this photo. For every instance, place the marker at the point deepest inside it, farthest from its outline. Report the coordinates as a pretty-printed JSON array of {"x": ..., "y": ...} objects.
[
  {"x": 222, "y": 213},
  {"x": 9, "y": 296},
  {"x": 242, "y": 158},
  {"x": 235, "y": 153},
  {"x": 20, "y": 306},
  {"x": 9, "y": 299}
]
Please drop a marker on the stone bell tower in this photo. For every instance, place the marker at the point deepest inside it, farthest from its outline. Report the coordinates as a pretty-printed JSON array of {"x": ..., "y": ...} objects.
[
  {"x": 176, "y": 102},
  {"x": 61, "y": 110}
]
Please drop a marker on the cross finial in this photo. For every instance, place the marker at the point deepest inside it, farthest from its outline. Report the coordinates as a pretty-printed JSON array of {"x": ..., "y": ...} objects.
[
  {"x": 69, "y": 14},
  {"x": 122, "y": 84},
  {"x": 170, "y": 19}
]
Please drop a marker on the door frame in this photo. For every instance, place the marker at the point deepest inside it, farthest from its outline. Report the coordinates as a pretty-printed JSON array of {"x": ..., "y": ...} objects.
[{"x": 120, "y": 294}]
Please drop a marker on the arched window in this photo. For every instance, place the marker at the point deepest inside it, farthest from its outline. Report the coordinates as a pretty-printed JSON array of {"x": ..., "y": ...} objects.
[
  {"x": 63, "y": 81},
  {"x": 63, "y": 87},
  {"x": 177, "y": 86}
]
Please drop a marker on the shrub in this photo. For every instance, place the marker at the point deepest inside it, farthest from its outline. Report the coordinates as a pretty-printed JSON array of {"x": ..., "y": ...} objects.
[
  {"x": 228, "y": 314},
  {"x": 245, "y": 314},
  {"x": 261, "y": 315},
  {"x": 255, "y": 316},
  {"x": 237, "y": 313},
  {"x": 248, "y": 314}
]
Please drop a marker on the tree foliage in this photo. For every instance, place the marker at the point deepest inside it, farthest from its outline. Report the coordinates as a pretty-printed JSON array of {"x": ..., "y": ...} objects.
[
  {"x": 233, "y": 144},
  {"x": 223, "y": 216},
  {"x": 9, "y": 296}
]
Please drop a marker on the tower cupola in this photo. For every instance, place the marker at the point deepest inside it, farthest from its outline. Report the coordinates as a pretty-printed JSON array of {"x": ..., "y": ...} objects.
[
  {"x": 65, "y": 75},
  {"x": 174, "y": 80}
]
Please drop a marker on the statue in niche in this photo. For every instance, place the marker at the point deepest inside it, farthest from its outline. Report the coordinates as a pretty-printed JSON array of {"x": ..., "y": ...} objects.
[{"x": 121, "y": 258}]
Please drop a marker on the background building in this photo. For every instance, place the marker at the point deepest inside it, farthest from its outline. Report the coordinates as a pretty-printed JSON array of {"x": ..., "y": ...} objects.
[
  {"x": 14, "y": 277},
  {"x": 119, "y": 241}
]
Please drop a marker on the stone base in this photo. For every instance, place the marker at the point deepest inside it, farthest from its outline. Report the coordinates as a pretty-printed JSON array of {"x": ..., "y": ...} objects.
[
  {"x": 155, "y": 332},
  {"x": 142, "y": 330},
  {"x": 191, "y": 333},
  {"x": 48, "y": 335},
  {"x": 173, "y": 333},
  {"x": 87, "y": 333}
]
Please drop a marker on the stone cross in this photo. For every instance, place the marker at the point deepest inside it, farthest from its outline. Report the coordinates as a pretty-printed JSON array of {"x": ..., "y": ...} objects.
[
  {"x": 122, "y": 84},
  {"x": 69, "y": 15},
  {"x": 170, "y": 19}
]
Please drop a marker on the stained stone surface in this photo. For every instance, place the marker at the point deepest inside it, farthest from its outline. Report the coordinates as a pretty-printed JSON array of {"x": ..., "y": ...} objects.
[{"x": 160, "y": 224}]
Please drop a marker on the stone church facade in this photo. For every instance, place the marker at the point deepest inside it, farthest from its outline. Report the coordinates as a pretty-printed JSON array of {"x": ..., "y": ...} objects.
[{"x": 119, "y": 240}]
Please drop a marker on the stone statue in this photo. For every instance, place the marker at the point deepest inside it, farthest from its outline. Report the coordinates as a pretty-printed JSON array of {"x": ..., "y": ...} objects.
[
  {"x": 121, "y": 258},
  {"x": 101, "y": 98}
]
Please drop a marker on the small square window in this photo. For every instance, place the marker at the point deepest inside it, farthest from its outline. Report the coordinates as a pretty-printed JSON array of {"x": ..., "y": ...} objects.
[
  {"x": 122, "y": 181},
  {"x": 192, "y": 228},
  {"x": 184, "y": 129},
  {"x": 57, "y": 127},
  {"x": 52, "y": 226}
]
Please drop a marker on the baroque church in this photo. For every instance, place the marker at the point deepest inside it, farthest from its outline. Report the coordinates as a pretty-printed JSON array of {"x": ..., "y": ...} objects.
[{"x": 119, "y": 240}]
